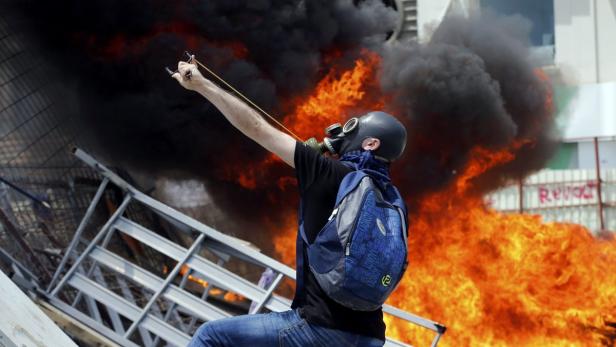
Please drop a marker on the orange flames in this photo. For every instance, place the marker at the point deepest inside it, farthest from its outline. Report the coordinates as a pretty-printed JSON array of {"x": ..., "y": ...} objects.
[
  {"x": 121, "y": 46},
  {"x": 337, "y": 95},
  {"x": 493, "y": 279},
  {"x": 227, "y": 296},
  {"x": 504, "y": 280}
]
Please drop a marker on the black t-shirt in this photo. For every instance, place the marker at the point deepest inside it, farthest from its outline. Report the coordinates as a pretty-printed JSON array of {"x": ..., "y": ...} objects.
[{"x": 318, "y": 179}]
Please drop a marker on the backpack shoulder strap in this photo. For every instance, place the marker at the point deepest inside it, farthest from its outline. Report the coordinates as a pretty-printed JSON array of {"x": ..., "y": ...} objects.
[
  {"x": 396, "y": 200},
  {"x": 404, "y": 223},
  {"x": 349, "y": 183},
  {"x": 300, "y": 244}
]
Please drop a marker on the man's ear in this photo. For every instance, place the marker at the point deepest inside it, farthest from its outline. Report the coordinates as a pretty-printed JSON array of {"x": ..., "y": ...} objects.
[{"x": 371, "y": 144}]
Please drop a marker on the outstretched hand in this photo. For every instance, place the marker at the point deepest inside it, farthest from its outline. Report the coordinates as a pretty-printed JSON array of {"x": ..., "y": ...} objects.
[
  {"x": 242, "y": 116},
  {"x": 189, "y": 76}
]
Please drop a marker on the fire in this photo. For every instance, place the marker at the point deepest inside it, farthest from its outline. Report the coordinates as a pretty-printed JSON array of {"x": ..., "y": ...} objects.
[
  {"x": 120, "y": 46},
  {"x": 483, "y": 160},
  {"x": 493, "y": 279},
  {"x": 502, "y": 280},
  {"x": 227, "y": 296},
  {"x": 336, "y": 96},
  {"x": 192, "y": 278}
]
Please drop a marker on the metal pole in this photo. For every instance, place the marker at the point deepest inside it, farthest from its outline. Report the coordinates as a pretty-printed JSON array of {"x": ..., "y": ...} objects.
[
  {"x": 268, "y": 294},
  {"x": 93, "y": 266},
  {"x": 14, "y": 232},
  {"x": 80, "y": 229},
  {"x": 50, "y": 237},
  {"x": 91, "y": 269},
  {"x": 440, "y": 330},
  {"x": 437, "y": 338},
  {"x": 521, "y": 194},
  {"x": 599, "y": 196},
  {"x": 93, "y": 243},
  {"x": 165, "y": 284},
  {"x": 126, "y": 292},
  {"x": 204, "y": 295},
  {"x": 596, "y": 43},
  {"x": 27, "y": 194},
  {"x": 172, "y": 306}
]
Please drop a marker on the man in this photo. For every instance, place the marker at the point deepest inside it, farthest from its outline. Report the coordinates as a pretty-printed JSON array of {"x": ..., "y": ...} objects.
[{"x": 315, "y": 320}]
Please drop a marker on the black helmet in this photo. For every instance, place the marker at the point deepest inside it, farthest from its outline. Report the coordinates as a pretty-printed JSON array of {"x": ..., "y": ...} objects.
[{"x": 377, "y": 124}]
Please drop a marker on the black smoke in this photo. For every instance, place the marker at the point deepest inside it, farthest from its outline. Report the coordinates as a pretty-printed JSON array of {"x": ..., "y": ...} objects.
[
  {"x": 111, "y": 56},
  {"x": 473, "y": 84},
  {"x": 112, "y": 53}
]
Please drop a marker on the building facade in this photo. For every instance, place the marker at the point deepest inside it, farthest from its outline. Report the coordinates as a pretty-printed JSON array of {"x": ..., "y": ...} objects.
[{"x": 573, "y": 42}]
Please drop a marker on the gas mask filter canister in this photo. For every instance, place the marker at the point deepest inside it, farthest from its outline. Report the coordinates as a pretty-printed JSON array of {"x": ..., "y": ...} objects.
[{"x": 335, "y": 137}]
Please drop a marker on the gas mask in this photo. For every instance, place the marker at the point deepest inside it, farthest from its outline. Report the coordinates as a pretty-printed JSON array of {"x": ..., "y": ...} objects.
[
  {"x": 342, "y": 139},
  {"x": 336, "y": 134}
]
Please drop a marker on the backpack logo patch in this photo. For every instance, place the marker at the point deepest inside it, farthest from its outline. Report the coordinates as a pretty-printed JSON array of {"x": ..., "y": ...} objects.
[{"x": 386, "y": 281}]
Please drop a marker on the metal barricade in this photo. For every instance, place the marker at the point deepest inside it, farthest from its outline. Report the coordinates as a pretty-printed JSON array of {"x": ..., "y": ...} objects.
[{"x": 132, "y": 305}]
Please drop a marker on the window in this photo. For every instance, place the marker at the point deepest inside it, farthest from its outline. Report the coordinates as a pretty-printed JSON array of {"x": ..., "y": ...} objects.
[
  {"x": 541, "y": 15},
  {"x": 539, "y": 12}
]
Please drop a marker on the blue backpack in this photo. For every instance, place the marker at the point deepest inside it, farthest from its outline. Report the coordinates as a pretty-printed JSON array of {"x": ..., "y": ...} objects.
[{"x": 360, "y": 255}]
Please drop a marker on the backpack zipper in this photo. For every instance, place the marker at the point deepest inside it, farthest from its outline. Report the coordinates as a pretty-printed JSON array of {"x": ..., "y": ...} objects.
[
  {"x": 348, "y": 245},
  {"x": 347, "y": 251},
  {"x": 334, "y": 213}
]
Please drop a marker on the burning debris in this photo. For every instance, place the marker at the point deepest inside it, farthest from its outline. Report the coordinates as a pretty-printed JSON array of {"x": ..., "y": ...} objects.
[{"x": 478, "y": 111}]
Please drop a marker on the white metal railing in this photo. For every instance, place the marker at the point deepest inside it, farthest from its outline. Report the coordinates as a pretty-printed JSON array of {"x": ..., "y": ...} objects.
[
  {"x": 576, "y": 196},
  {"x": 172, "y": 309}
]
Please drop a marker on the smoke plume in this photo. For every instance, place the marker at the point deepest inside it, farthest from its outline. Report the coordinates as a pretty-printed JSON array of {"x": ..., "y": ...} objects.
[
  {"x": 111, "y": 56},
  {"x": 472, "y": 85},
  {"x": 112, "y": 53}
]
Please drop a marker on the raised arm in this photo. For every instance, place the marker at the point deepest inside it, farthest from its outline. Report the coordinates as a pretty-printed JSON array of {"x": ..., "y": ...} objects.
[{"x": 238, "y": 113}]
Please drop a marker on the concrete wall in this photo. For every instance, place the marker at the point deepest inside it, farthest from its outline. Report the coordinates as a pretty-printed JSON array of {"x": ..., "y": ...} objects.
[
  {"x": 585, "y": 33},
  {"x": 431, "y": 12},
  {"x": 429, "y": 15},
  {"x": 606, "y": 19},
  {"x": 607, "y": 155}
]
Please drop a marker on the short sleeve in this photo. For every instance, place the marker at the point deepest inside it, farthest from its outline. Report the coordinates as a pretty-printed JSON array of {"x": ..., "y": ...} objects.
[{"x": 311, "y": 166}]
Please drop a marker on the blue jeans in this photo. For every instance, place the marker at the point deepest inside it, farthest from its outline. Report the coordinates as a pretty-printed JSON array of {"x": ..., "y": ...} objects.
[{"x": 282, "y": 329}]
